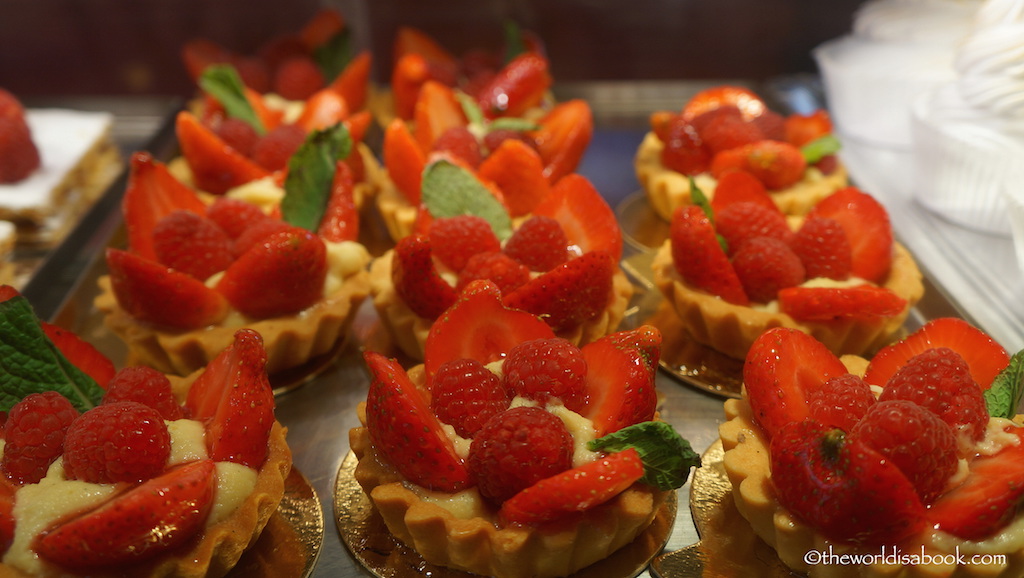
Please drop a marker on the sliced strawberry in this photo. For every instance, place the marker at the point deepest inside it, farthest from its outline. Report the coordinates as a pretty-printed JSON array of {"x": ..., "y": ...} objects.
[
  {"x": 409, "y": 40},
  {"x": 151, "y": 194},
  {"x": 738, "y": 186},
  {"x": 699, "y": 258},
  {"x": 479, "y": 326},
  {"x": 201, "y": 53},
  {"x": 983, "y": 355},
  {"x": 409, "y": 74},
  {"x": 563, "y": 137},
  {"x": 776, "y": 164},
  {"x": 416, "y": 278},
  {"x": 403, "y": 428},
  {"x": 341, "y": 217},
  {"x": 576, "y": 490},
  {"x": 519, "y": 86},
  {"x": 437, "y": 110},
  {"x": 517, "y": 169},
  {"x": 323, "y": 109},
  {"x": 569, "y": 294},
  {"x": 801, "y": 129},
  {"x": 585, "y": 216},
  {"x": 153, "y": 293},
  {"x": 749, "y": 104},
  {"x": 234, "y": 216},
  {"x": 215, "y": 166},
  {"x": 281, "y": 275},
  {"x": 867, "y": 227},
  {"x": 404, "y": 160},
  {"x": 324, "y": 24},
  {"x": 154, "y": 517},
  {"x": 81, "y": 353},
  {"x": 7, "y": 521},
  {"x": 353, "y": 82},
  {"x": 233, "y": 395},
  {"x": 831, "y": 303},
  {"x": 783, "y": 367},
  {"x": 621, "y": 368}
]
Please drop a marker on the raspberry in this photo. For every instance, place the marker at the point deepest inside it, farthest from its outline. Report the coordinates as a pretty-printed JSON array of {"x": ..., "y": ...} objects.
[
  {"x": 841, "y": 401},
  {"x": 297, "y": 78},
  {"x": 739, "y": 222},
  {"x": 771, "y": 124},
  {"x": 542, "y": 369},
  {"x": 517, "y": 448},
  {"x": 507, "y": 273},
  {"x": 725, "y": 132},
  {"x": 454, "y": 240},
  {"x": 146, "y": 386},
  {"x": 257, "y": 233},
  {"x": 494, "y": 138},
  {"x": 234, "y": 216},
  {"x": 766, "y": 265},
  {"x": 465, "y": 394},
  {"x": 921, "y": 445},
  {"x": 123, "y": 441},
  {"x": 461, "y": 143},
  {"x": 939, "y": 380},
  {"x": 34, "y": 434},
  {"x": 238, "y": 134},
  {"x": 823, "y": 248},
  {"x": 539, "y": 243},
  {"x": 274, "y": 149},
  {"x": 684, "y": 150},
  {"x": 192, "y": 244}
]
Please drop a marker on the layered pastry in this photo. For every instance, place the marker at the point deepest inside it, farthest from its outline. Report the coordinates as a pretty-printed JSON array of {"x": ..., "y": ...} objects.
[
  {"x": 509, "y": 473},
  {"x": 139, "y": 474},
  {"x": 732, "y": 270},
  {"x": 912, "y": 458},
  {"x": 560, "y": 262},
  {"x": 969, "y": 131},
  {"x": 731, "y": 128},
  {"x": 194, "y": 273}
]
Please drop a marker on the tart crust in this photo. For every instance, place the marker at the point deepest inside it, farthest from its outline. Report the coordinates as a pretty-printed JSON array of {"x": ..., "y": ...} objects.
[
  {"x": 409, "y": 331},
  {"x": 667, "y": 189},
  {"x": 732, "y": 329}
]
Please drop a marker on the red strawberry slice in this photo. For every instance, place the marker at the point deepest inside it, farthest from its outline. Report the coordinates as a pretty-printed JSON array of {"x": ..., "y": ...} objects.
[
  {"x": 568, "y": 294},
  {"x": 234, "y": 216},
  {"x": 154, "y": 517},
  {"x": 519, "y": 86},
  {"x": 830, "y": 303},
  {"x": 341, "y": 217},
  {"x": 281, "y": 275},
  {"x": 563, "y": 137},
  {"x": 7, "y": 521},
  {"x": 233, "y": 395},
  {"x": 323, "y": 109},
  {"x": 699, "y": 258},
  {"x": 983, "y": 355},
  {"x": 575, "y": 490},
  {"x": 479, "y": 326},
  {"x": 988, "y": 498},
  {"x": 738, "y": 186},
  {"x": 152, "y": 193},
  {"x": 81, "y": 353},
  {"x": 215, "y": 166},
  {"x": 588, "y": 221},
  {"x": 156, "y": 294},
  {"x": 404, "y": 160},
  {"x": 403, "y": 428},
  {"x": 437, "y": 110},
  {"x": 867, "y": 227},
  {"x": 783, "y": 367},
  {"x": 749, "y": 103},
  {"x": 416, "y": 279},
  {"x": 353, "y": 81},
  {"x": 517, "y": 169},
  {"x": 621, "y": 368},
  {"x": 776, "y": 164}
]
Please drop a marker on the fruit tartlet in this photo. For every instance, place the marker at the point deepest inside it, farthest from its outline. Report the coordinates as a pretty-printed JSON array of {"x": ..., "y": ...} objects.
[
  {"x": 561, "y": 262},
  {"x": 193, "y": 273},
  {"x": 729, "y": 127},
  {"x": 736, "y": 266},
  {"x": 131, "y": 472},
  {"x": 915, "y": 454},
  {"x": 511, "y": 452}
]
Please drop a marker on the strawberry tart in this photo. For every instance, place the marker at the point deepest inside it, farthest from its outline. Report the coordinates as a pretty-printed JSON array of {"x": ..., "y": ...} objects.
[
  {"x": 194, "y": 273},
  {"x": 468, "y": 493},
  {"x": 913, "y": 457},
  {"x": 736, "y": 266},
  {"x": 560, "y": 262},
  {"x": 727, "y": 128},
  {"x": 130, "y": 472}
]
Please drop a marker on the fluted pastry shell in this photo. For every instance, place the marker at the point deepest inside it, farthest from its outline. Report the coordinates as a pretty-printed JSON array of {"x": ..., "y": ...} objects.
[
  {"x": 667, "y": 189},
  {"x": 731, "y": 329},
  {"x": 477, "y": 544},
  {"x": 409, "y": 331},
  {"x": 398, "y": 214},
  {"x": 221, "y": 545},
  {"x": 290, "y": 341}
]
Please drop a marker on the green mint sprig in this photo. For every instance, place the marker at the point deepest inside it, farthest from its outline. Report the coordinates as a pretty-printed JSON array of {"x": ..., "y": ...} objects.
[
  {"x": 449, "y": 190},
  {"x": 820, "y": 148},
  {"x": 222, "y": 82},
  {"x": 1003, "y": 397},
  {"x": 701, "y": 200},
  {"x": 667, "y": 457},
  {"x": 310, "y": 174},
  {"x": 334, "y": 55}
]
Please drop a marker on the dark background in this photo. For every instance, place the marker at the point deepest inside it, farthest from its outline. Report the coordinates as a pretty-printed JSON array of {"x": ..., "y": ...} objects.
[{"x": 132, "y": 47}]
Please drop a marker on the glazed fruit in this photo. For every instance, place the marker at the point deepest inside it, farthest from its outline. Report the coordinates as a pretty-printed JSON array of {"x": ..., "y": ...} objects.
[{"x": 19, "y": 156}]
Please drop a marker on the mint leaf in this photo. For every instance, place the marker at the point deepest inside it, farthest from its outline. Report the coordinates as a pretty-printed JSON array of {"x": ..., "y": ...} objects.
[
  {"x": 512, "y": 123},
  {"x": 819, "y": 148},
  {"x": 701, "y": 200},
  {"x": 310, "y": 174},
  {"x": 471, "y": 109},
  {"x": 1003, "y": 397},
  {"x": 450, "y": 190},
  {"x": 334, "y": 55},
  {"x": 667, "y": 457},
  {"x": 222, "y": 82},
  {"x": 514, "y": 45},
  {"x": 31, "y": 363}
]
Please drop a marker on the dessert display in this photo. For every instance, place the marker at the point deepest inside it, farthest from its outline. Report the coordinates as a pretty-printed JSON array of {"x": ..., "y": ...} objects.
[
  {"x": 967, "y": 132},
  {"x": 836, "y": 273},
  {"x": 729, "y": 128},
  {"x": 194, "y": 273},
  {"x": 896, "y": 51},
  {"x": 511, "y": 452},
  {"x": 131, "y": 472},
  {"x": 560, "y": 262},
  {"x": 916, "y": 450}
]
